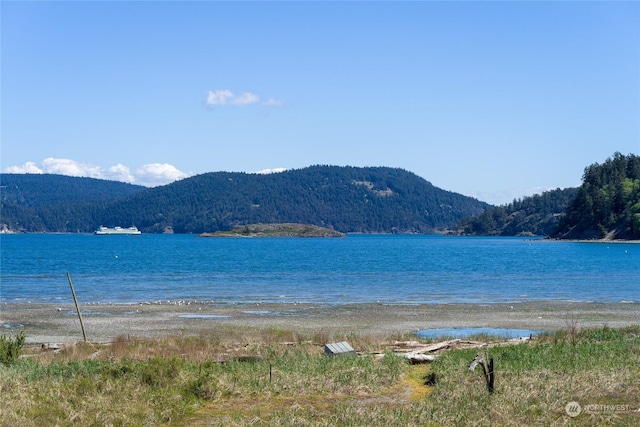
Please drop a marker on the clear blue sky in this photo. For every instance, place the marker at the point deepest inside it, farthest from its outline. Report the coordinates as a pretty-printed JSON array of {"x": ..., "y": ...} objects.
[{"x": 491, "y": 99}]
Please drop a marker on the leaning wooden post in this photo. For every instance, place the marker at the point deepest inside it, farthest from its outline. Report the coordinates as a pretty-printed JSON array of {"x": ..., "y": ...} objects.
[
  {"x": 487, "y": 370},
  {"x": 75, "y": 300}
]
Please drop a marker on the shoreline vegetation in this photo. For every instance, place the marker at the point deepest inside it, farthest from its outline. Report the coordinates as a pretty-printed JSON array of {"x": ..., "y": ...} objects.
[
  {"x": 276, "y": 230},
  {"x": 242, "y": 366}
]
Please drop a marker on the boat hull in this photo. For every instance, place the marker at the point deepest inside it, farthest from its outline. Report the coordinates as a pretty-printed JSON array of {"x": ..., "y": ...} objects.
[{"x": 107, "y": 231}]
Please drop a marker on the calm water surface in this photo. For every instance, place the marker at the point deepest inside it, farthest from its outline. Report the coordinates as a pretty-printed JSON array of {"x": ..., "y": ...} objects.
[{"x": 356, "y": 269}]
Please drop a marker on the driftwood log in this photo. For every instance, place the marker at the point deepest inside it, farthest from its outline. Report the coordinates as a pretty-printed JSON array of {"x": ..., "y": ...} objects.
[{"x": 418, "y": 352}]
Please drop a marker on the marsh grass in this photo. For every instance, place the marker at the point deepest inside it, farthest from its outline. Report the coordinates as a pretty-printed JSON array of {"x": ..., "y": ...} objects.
[{"x": 207, "y": 380}]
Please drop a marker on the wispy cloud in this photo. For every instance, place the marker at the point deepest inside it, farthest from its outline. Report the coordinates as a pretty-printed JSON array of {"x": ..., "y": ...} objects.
[
  {"x": 271, "y": 102},
  {"x": 150, "y": 175},
  {"x": 224, "y": 97},
  {"x": 246, "y": 98},
  {"x": 219, "y": 97}
]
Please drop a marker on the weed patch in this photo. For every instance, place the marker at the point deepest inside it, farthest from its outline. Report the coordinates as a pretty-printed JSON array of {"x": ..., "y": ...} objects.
[{"x": 10, "y": 349}]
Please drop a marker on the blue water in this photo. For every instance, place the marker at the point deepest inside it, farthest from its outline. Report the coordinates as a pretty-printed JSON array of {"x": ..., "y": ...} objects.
[
  {"x": 355, "y": 269},
  {"x": 469, "y": 332}
]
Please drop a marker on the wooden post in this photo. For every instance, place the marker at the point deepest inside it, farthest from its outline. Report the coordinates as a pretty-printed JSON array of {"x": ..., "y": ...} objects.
[
  {"x": 75, "y": 300},
  {"x": 487, "y": 370},
  {"x": 491, "y": 377}
]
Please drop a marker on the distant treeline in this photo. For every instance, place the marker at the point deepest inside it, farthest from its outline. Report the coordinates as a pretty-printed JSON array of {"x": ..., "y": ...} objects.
[
  {"x": 537, "y": 215},
  {"x": 606, "y": 205},
  {"x": 345, "y": 199}
]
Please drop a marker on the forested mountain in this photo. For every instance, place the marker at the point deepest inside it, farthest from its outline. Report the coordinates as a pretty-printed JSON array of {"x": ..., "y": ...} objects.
[
  {"x": 44, "y": 202},
  {"x": 35, "y": 190},
  {"x": 607, "y": 204},
  {"x": 346, "y": 199},
  {"x": 537, "y": 215}
]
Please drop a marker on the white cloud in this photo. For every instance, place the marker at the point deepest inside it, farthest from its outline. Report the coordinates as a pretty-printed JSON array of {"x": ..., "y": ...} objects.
[
  {"x": 220, "y": 97},
  {"x": 268, "y": 171},
  {"x": 70, "y": 168},
  {"x": 149, "y": 175},
  {"x": 155, "y": 174},
  {"x": 28, "y": 167},
  {"x": 119, "y": 172},
  {"x": 246, "y": 98}
]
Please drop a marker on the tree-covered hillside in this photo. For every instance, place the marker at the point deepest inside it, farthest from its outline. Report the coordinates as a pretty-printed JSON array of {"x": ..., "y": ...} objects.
[
  {"x": 607, "y": 204},
  {"x": 48, "y": 202},
  {"x": 537, "y": 215},
  {"x": 35, "y": 190},
  {"x": 346, "y": 199}
]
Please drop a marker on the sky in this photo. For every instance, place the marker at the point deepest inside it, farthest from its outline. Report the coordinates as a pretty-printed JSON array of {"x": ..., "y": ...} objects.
[{"x": 495, "y": 100}]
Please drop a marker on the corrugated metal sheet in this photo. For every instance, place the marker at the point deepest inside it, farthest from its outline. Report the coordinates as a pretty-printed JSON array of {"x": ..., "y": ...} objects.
[{"x": 339, "y": 349}]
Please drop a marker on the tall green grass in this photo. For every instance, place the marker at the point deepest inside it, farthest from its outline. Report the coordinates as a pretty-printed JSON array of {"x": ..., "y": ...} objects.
[{"x": 202, "y": 381}]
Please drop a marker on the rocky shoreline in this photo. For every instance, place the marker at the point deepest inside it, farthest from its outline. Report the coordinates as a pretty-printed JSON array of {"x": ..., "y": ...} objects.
[{"x": 276, "y": 230}]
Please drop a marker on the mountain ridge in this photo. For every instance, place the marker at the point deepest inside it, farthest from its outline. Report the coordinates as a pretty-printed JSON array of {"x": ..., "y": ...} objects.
[{"x": 341, "y": 198}]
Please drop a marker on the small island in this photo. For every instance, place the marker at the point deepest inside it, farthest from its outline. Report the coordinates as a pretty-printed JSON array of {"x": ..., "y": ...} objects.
[{"x": 276, "y": 230}]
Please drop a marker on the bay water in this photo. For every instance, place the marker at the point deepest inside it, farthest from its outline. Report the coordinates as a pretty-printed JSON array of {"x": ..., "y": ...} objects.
[{"x": 410, "y": 269}]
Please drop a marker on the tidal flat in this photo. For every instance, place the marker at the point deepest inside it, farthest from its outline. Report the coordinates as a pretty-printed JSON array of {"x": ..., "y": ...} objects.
[{"x": 50, "y": 323}]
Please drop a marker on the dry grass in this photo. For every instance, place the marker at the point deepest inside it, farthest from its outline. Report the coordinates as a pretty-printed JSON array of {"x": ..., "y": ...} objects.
[{"x": 207, "y": 380}]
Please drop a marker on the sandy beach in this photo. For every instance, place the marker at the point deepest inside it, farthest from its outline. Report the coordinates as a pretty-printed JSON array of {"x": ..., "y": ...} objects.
[{"x": 59, "y": 323}]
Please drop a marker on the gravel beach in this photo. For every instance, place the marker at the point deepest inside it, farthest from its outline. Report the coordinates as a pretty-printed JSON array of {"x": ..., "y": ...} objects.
[{"x": 59, "y": 323}]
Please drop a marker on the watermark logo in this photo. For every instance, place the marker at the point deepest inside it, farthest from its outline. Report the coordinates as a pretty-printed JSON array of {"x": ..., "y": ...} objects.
[
  {"x": 597, "y": 407},
  {"x": 573, "y": 409}
]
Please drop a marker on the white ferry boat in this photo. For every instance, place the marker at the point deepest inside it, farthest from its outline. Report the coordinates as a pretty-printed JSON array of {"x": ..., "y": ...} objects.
[{"x": 102, "y": 230}]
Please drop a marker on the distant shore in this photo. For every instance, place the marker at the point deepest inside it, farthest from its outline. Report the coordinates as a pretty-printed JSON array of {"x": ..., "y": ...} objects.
[
  {"x": 46, "y": 323},
  {"x": 591, "y": 240}
]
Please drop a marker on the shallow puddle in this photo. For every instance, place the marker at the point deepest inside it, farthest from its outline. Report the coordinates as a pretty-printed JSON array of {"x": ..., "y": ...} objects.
[
  {"x": 203, "y": 316},
  {"x": 468, "y": 332}
]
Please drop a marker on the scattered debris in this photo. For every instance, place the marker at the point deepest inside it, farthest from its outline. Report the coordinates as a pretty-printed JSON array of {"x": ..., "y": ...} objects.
[{"x": 416, "y": 352}]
